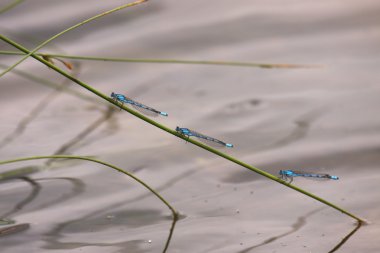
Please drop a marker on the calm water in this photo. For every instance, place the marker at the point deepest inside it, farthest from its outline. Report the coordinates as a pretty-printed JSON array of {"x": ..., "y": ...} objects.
[{"x": 324, "y": 119}]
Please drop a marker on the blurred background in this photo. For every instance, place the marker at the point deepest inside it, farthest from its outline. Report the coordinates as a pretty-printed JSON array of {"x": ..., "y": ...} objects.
[{"x": 322, "y": 119}]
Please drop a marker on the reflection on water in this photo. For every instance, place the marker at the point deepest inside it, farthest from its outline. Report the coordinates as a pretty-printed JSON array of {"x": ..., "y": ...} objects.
[
  {"x": 300, "y": 222},
  {"x": 95, "y": 221},
  {"x": 37, "y": 109},
  {"x": 14, "y": 229},
  {"x": 344, "y": 240},
  {"x": 29, "y": 198},
  {"x": 78, "y": 187},
  {"x": 33, "y": 194},
  {"x": 120, "y": 220},
  {"x": 106, "y": 116}
]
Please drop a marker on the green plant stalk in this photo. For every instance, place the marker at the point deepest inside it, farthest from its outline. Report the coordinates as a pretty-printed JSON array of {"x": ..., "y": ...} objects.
[
  {"x": 170, "y": 61},
  {"x": 52, "y": 85},
  {"x": 95, "y": 161},
  {"x": 20, "y": 172},
  {"x": 69, "y": 29},
  {"x": 174, "y": 212},
  {"x": 173, "y": 132},
  {"x": 10, "y": 6}
]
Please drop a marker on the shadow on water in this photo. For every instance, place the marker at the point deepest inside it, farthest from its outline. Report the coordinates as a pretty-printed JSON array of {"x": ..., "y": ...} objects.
[
  {"x": 37, "y": 109},
  {"x": 84, "y": 133},
  {"x": 300, "y": 222},
  {"x": 140, "y": 216},
  {"x": 345, "y": 239},
  {"x": 44, "y": 103},
  {"x": 53, "y": 237},
  {"x": 36, "y": 188},
  {"x": 53, "y": 85},
  {"x": 301, "y": 129},
  {"x": 298, "y": 127},
  {"x": 13, "y": 229},
  {"x": 78, "y": 187}
]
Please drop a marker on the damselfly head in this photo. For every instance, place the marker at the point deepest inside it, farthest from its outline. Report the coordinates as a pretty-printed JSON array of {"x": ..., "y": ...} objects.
[{"x": 286, "y": 172}]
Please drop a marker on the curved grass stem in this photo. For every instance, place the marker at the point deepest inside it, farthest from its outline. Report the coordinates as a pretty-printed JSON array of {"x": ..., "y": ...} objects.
[
  {"x": 174, "y": 212},
  {"x": 172, "y": 61},
  {"x": 69, "y": 29},
  {"x": 173, "y": 132}
]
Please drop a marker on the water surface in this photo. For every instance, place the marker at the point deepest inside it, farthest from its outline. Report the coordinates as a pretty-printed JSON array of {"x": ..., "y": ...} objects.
[{"x": 324, "y": 119}]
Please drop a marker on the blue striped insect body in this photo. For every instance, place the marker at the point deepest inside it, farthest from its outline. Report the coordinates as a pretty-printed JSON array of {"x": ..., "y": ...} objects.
[
  {"x": 204, "y": 138},
  {"x": 138, "y": 106},
  {"x": 288, "y": 175}
]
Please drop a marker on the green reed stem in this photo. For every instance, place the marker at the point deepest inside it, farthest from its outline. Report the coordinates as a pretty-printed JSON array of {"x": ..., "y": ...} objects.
[
  {"x": 169, "y": 61},
  {"x": 52, "y": 85},
  {"x": 174, "y": 212},
  {"x": 173, "y": 132},
  {"x": 10, "y": 6},
  {"x": 95, "y": 161},
  {"x": 69, "y": 29}
]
